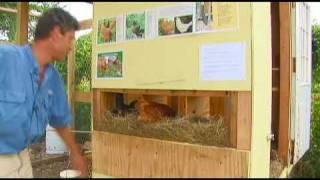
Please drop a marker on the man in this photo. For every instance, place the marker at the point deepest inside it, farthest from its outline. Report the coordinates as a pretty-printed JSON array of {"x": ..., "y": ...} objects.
[{"x": 32, "y": 94}]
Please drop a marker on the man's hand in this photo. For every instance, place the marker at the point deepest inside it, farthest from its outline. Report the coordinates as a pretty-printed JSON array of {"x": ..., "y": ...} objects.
[{"x": 78, "y": 161}]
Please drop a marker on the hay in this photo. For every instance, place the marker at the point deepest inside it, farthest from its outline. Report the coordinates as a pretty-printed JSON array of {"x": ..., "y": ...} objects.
[
  {"x": 276, "y": 164},
  {"x": 195, "y": 129}
]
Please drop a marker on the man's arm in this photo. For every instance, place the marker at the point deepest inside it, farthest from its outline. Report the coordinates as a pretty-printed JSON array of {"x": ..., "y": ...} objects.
[{"x": 78, "y": 161}]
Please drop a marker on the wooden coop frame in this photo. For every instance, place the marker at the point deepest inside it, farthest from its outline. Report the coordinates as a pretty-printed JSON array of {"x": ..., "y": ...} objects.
[
  {"x": 260, "y": 119},
  {"x": 248, "y": 115}
]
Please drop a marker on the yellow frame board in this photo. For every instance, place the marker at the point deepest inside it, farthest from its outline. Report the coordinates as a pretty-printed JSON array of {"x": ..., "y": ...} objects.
[{"x": 171, "y": 62}]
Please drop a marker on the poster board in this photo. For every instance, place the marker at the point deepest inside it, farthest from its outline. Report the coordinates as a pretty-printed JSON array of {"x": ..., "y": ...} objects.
[{"x": 214, "y": 59}]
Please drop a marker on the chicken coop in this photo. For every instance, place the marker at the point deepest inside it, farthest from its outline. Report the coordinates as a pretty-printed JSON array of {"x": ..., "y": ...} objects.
[{"x": 238, "y": 73}]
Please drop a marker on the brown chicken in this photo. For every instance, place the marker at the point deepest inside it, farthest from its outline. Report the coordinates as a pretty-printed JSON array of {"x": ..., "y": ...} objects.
[
  {"x": 102, "y": 65},
  {"x": 106, "y": 30},
  {"x": 167, "y": 26},
  {"x": 151, "y": 111}
]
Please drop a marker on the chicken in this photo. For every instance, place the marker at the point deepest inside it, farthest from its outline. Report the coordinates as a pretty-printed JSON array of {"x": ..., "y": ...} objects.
[
  {"x": 151, "y": 111},
  {"x": 106, "y": 30},
  {"x": 121, "y": 108},
  {"x": 102, "y": 65},
  {"x": 167, "y": 26},
  {"x": 136, "y": 29},
  {"x": 182, "y": 27}
]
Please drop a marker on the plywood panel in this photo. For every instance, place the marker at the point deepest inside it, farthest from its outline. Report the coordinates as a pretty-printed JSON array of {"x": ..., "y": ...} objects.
[
  {"x": 285, "y": 79},
  {"x": 157, "y": 66},
  {"x": 127, "y": 156},
  {"x": 198, "y": 106},
  {"x": 217, "y": 106}
]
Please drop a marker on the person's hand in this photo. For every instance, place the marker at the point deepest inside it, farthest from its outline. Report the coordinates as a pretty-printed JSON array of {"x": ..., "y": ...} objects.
[{"x": 79, "y": 163}]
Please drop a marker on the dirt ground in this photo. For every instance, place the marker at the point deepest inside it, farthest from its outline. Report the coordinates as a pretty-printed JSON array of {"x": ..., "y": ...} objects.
[{"x": 47, "y": 165}]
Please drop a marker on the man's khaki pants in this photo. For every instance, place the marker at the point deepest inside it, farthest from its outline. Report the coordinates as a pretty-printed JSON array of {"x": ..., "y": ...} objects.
[{"x": 16, "y": 165}]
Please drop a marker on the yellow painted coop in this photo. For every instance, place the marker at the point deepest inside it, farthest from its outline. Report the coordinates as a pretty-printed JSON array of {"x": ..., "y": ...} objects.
[{"x": 230, "y": 71}]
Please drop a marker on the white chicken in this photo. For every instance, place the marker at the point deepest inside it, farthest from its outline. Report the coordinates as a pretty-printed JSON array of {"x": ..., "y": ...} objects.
[{"x": 182, "y": 27}]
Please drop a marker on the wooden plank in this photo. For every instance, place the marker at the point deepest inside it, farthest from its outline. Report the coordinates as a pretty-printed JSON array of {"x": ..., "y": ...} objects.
[
  {"x": 101, "y": 103},
  {"x": 71, "y": 82},
  {"x": 232, "y": 122},
  {"x": 275, "y": 79},
  {"x": 85, "y": 24},
  {"x": 173, "y": 103},
  {"x": 22, "y": 23},
  {"x": 275, "y": 118},
  {"x": 131, "y": 97},
  {"x": 10, "y": 10},
  {"x": 82, "y": 97},
  {"x": 238, "y": 120},
  {"x": 182, "y": 105},
  {"x": 198, "y": 106},
  {"x": 169, "y": 92},
  {"x": 217, "y": 106},
  {"x": 261, "y": 89},
  {"x": 275, "y": 30},
  {"x": 118, "y": 155},
  {"x": 244, "y": 121},
  {"x": 275, "y": 36},
  {"x": 155, "y": 98},
  {"x": 285, "y": 80}
]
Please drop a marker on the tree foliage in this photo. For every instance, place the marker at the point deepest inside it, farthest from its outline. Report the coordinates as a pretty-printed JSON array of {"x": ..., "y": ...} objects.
[
  {"x": 83, "y": 63},
  {"x": 316, "y": 57},
  {"x": 8, "y": 20}
]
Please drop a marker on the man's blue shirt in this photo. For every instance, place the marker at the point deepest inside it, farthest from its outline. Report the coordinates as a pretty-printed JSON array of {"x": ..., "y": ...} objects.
[{"x": 26, "y": 107}]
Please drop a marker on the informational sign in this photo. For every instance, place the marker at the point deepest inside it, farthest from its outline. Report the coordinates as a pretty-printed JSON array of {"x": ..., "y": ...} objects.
[{"x": 221, "y": 62}]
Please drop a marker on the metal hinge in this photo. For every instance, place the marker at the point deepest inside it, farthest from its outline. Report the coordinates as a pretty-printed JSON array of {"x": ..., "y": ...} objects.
[
  {"x": 270, "y": 137},
  {"x": 294, "y": 62}
]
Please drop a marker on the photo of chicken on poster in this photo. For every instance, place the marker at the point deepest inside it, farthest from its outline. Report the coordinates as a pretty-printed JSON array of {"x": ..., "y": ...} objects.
[
  {"x": 175, "y": 20},
  {"x": 183, "y": 24},
  {"x": 107, "y": 30},
  {"x": 135, "y": 26},
  {"x": 204, "y": 16},
  {"x": 110, "y": 65}
]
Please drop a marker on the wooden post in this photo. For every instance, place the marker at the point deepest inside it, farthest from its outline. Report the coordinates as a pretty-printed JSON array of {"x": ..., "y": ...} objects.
[
  {"x": 285, "y": 80},
  {"x": 261, "y": 90},
  {"x": 22, "y": 23},
  {"x": 238, "y": 120},
  {"x": 71, "y": 82}
]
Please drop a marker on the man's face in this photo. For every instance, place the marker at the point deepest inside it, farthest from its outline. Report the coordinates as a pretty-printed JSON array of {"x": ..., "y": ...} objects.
[{"x": 62, "y": 43}]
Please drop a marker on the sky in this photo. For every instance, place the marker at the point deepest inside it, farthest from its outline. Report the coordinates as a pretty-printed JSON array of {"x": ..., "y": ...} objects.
[
  {"x": 315, "y": 12},
  {"x": 81, "y": 11}
]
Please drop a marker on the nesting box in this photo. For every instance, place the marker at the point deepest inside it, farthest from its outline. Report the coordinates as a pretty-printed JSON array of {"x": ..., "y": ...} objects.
[{"x": 234, "y": 59}]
